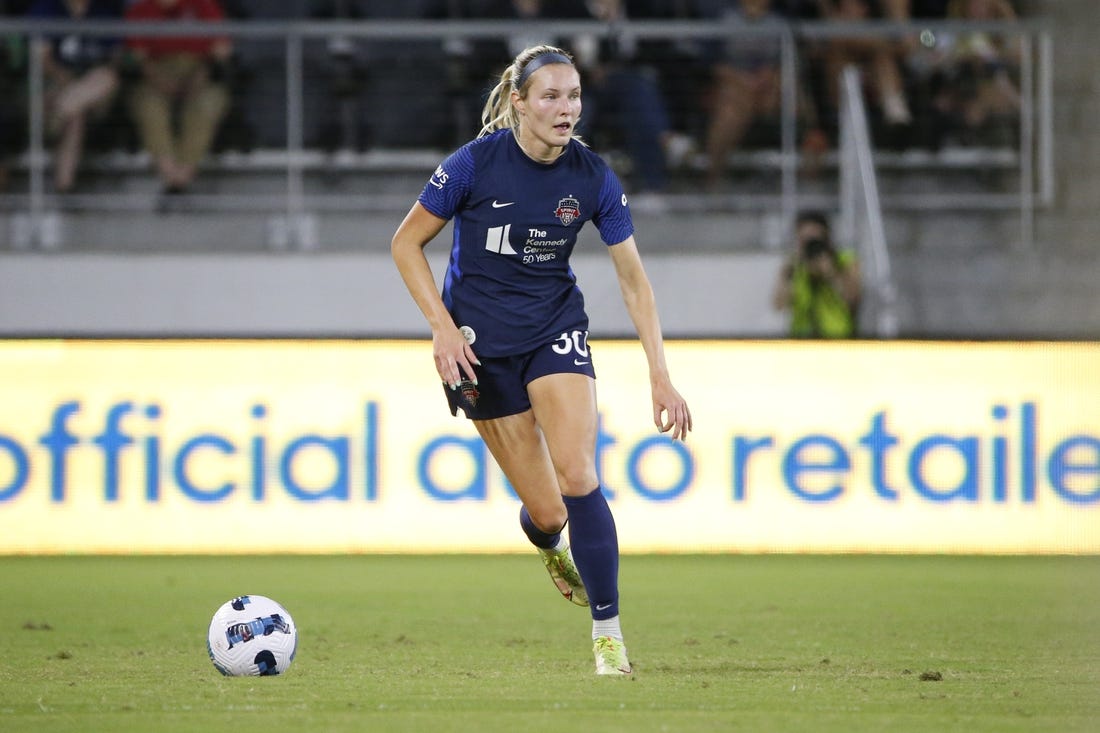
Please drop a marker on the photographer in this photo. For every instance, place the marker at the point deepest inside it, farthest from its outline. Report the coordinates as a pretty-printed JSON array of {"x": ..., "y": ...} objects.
[{"x": 818, "y": 284}]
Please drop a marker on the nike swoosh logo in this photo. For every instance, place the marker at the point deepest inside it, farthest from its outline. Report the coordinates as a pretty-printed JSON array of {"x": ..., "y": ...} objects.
[
  {"x": 604, "y": 607},
  {"x": 498, "y": 205},
  {"x": 578, "y": 362}
]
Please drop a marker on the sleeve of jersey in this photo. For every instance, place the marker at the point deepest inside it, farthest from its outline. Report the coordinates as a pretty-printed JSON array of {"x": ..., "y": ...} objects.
[
  {"x": 613, "y": 217},
  {"x": 447, "y": 189}
]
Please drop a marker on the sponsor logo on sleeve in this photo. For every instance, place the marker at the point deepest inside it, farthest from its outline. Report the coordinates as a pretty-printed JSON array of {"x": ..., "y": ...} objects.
[{"x": 439, "y": 177}]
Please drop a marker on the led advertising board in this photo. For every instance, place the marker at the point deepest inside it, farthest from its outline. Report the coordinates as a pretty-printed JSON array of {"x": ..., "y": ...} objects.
[{"x": 249, "y": 446}]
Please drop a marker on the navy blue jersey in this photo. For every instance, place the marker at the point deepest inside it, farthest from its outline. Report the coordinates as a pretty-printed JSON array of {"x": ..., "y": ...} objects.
[
  {"x": 515, "y": 225},
  {"x": 76, "y": 52}
]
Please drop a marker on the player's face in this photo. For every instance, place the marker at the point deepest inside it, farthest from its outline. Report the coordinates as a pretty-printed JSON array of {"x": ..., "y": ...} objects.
[{"x": 550, "y": 111}]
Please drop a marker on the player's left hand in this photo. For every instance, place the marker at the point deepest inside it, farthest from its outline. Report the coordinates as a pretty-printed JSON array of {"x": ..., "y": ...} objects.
[{"x": 670, "y": 410}]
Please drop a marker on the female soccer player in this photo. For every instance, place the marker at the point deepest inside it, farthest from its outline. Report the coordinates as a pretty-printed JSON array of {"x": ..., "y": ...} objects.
[{"x": 510, "y": 333}]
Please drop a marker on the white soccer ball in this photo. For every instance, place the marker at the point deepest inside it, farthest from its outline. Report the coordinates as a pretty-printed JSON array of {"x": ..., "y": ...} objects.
[{"x": 252, "y": 636}]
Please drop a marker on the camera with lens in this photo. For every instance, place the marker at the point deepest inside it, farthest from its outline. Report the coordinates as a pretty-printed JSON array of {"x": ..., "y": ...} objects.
[{"x": 816, "y": 247}]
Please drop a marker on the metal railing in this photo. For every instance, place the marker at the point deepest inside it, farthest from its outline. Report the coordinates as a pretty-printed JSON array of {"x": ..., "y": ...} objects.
[
  {"x": 861, "y": 212},
  {"x": 294, "y": 204}
]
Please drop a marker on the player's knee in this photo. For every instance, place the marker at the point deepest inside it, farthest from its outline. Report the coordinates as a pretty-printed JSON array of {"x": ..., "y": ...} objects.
[
  {"x": 550, "y": 518},
  {"x": 578, "y": 481}
]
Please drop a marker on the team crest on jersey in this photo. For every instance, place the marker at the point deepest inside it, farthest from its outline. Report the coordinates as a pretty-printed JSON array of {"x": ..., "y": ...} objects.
[{"x": 569, "y": 209}]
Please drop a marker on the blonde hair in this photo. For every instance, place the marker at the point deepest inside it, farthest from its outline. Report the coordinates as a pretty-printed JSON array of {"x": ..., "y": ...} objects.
[{"x": 499, "y": 112}]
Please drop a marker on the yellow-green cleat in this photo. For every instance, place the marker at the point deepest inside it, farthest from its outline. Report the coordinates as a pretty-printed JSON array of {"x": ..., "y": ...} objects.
[
  {"x": 611, "y": 656},
  {"x": 559, "y": 563}
]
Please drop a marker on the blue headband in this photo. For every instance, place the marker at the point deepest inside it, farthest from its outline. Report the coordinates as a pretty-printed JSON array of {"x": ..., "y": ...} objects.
[{"x": 537, "y": 63}]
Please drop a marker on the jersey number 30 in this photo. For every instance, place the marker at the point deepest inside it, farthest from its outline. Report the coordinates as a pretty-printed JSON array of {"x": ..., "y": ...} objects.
[{"x": 576, "y": 341}]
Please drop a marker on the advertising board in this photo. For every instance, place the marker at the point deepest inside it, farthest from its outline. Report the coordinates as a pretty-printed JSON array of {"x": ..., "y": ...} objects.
[{"x": 246, "y": 446}]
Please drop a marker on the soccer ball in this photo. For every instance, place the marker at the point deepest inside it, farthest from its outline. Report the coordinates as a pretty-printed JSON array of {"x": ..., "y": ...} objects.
[{"x": 252, "y": 636}]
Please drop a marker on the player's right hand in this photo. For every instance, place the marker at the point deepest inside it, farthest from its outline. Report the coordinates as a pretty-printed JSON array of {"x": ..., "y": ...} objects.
[{"x": 454, "y": 357}]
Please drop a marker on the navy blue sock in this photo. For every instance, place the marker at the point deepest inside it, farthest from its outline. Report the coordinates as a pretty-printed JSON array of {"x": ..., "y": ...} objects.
[
  {"x": 595, "y": 546},
  {"x": 537, "y": 536}
]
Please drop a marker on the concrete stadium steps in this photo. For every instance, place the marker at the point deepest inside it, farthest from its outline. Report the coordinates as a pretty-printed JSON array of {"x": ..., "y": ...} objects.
[{"x": 356, "y": 201}]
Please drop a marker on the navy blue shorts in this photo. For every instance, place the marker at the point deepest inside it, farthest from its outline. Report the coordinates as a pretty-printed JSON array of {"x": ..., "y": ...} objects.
[{"x": 501, "y": 388}]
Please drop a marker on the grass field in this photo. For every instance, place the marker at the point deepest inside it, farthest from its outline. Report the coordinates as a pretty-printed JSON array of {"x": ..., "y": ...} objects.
[{"x": 480, "y": 643}]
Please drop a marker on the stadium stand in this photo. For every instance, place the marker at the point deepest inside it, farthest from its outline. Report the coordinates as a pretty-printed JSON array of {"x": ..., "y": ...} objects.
[{"x": 975, "y": 253}]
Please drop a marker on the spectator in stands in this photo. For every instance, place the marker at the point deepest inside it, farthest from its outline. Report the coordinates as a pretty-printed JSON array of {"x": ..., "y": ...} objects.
[
  {"x": 482, "y": 51},
  {"x": 13, "y": 82},
  {"x": 535, "y": 11},
  {"x": 180, "y": 77},
  {"x": 623, "y": 99},
  {"x": 408, "y": 80},
  {"x": 237, "y": 131},
  {"x": 920, "y": 66},
  {"x": 818, "y": 284},
  {"x": 877, "y": 57},
  {"x": 906, "y": 9},
  {"x": 972, "y": 80},
  {"x": 81, "y": 75},
  {"x": 345, "y": 76},
  {"x": 681, "y": 71},
  {"x": 797, "y": 9},
  {"x": 746, "y": 77}
]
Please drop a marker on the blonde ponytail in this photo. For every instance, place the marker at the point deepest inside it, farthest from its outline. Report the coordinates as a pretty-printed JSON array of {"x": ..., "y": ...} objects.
[{"x": 499, "y": 112}]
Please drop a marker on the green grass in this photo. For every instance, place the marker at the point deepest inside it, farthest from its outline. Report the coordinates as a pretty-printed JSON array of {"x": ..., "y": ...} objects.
[{"x": 480, "y": 643}]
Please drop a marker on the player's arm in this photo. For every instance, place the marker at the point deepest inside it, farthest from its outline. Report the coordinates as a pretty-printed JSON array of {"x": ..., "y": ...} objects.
[
  {"x": 453, "y": 356},
  {"x": 670, "y": 410}
]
